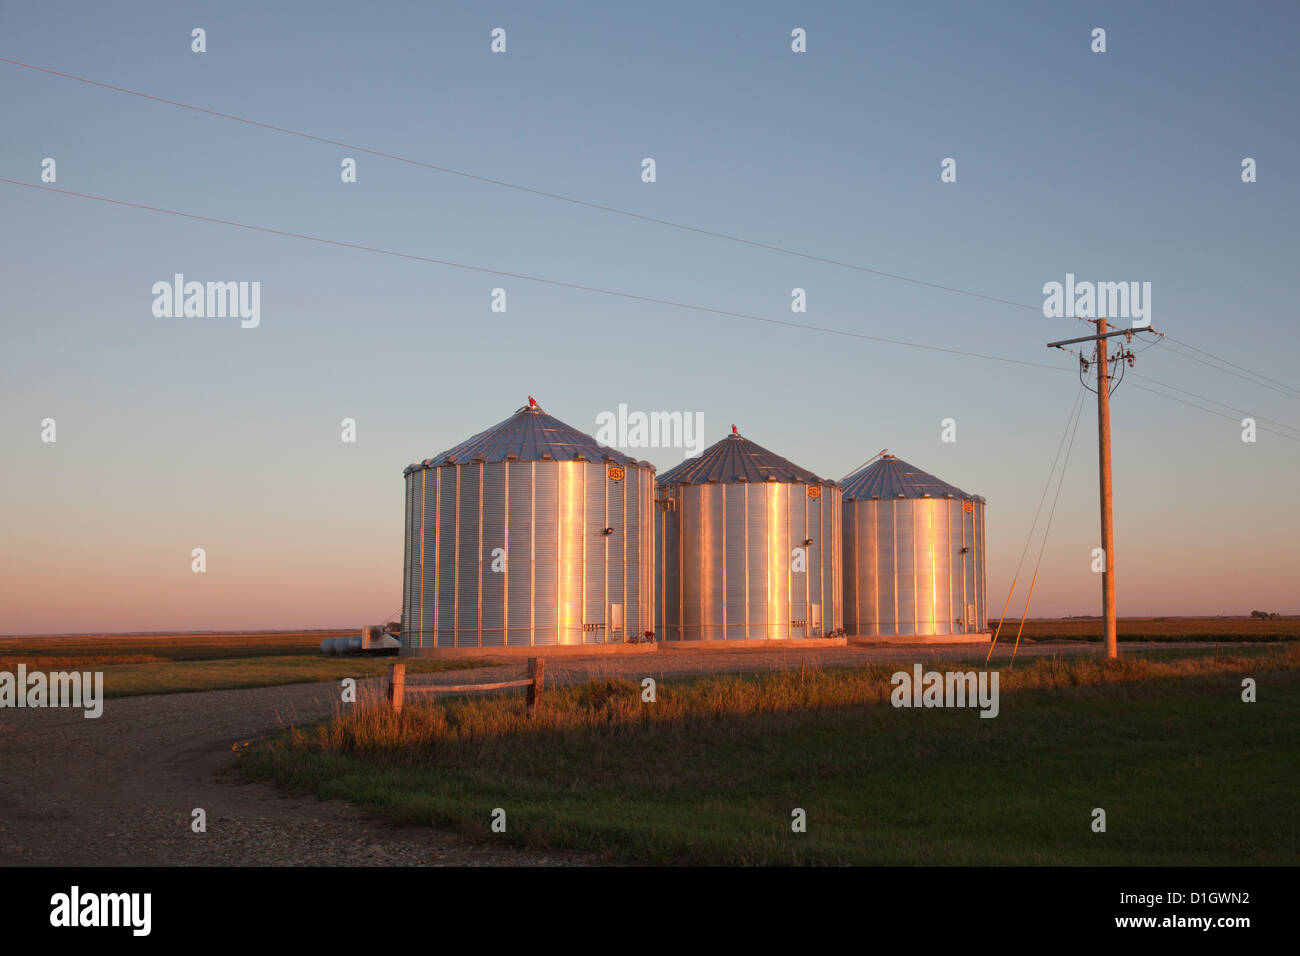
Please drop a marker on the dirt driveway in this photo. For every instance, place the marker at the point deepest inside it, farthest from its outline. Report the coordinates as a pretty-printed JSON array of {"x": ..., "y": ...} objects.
[{"x": 120, "y": 790}]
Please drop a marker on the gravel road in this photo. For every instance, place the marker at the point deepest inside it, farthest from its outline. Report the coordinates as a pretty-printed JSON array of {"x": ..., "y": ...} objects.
[{"x": 119, "y": 790}]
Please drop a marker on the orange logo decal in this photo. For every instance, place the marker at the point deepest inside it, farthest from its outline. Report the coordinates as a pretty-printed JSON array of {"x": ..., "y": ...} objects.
[
  {"x": 814, "y": 491},
  {"x": 616, "y": 473}
]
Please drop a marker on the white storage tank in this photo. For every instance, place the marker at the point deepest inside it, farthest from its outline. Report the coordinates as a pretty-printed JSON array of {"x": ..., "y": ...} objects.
[
  {"x": 748, "y": 548},
  {"x": 913, "y": 554},
  {"x": 528, "y": 534}
]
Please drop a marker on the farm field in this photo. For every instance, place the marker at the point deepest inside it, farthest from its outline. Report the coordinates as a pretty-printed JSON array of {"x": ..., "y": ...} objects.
[
  {"x": 710, "y": 773},
  {"x": 161, "y": 663},
  {"x": 1225, "y": 629},
  {"x": 110, "y": 649},
  {"x": 179, "y": 663}
]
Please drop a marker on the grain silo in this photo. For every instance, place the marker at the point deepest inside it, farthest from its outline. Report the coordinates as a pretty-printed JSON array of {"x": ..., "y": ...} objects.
[
  {"x": 748, "y": 548},
  {"x": 913, "y": 554},
  {"x": 528, "y": 534}
]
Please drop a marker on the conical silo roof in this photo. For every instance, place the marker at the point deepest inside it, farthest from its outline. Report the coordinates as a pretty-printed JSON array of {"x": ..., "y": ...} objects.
[
  {"x": 528, "y": 435},
  {"x": 891, "y": 477},
  {"x": 736, "y": 458}
]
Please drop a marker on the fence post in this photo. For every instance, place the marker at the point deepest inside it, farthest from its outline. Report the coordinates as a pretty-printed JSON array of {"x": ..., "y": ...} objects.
[
  {"x": 537, "y": 674},
  {"x": 396, "y": 685}
]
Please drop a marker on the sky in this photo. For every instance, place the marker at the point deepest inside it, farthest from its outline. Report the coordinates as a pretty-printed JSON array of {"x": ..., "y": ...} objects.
[{"x": 176, "y": 433}]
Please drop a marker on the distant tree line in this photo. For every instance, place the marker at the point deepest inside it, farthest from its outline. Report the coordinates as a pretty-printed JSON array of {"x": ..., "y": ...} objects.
[{"x": 1264, "y": 615}]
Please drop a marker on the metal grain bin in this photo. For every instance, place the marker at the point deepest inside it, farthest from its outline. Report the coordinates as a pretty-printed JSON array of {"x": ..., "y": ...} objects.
[
  {"x": 528, "y": 534},
  {"x": 913, "y": 554},
  {"x": 748, "y": 548}
]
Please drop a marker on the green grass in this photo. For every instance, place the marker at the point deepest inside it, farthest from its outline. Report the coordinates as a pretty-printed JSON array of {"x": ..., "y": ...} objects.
[{"x": 709, "y": 774}]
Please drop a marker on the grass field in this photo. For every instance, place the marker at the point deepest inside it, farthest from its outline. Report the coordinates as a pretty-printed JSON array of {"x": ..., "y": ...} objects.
[
  {"x": 172, "y": 663},
  {"x": 711, "y": 772},
  {"x": 178, "y": 663},
  {"x": 41, "y": 653}
]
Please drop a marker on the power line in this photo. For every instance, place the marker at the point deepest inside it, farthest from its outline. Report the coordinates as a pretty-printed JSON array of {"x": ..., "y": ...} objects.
[
  {"x": 609, "y": 209},
  {"x": 1046, "y": 532},
  {"x": 1241, "y": 411},
  {"x": 1177, "y": 345},
  {"x": 529, "y": 278},
  {"x": 1051, "y": 515},
  {"x": 525, "y": 189},
  {"x": 1175, "y": 398},
  {"x": 1203, "y": 398},
  {"x": 625, "y": 295},
  {"x": 1075, "y": 411},
  {"x": 1226, "y": 362}
]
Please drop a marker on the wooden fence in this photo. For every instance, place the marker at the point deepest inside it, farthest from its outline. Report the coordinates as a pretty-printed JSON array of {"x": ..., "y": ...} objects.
[{"x": 535, "y": 681}]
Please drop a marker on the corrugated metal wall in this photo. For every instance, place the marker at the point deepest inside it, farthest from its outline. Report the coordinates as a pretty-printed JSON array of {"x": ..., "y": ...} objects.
[
  {"x": 558, "y": 571},
  {"x": 726, "y": 568},
  {"x": 905, "y": 572}
]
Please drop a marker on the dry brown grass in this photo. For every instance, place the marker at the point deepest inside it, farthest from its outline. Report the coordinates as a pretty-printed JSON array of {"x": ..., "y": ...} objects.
[
  {"x": 609, "y": 704},
  {"x": 709, "y": 773},
  {"x": 77, "y": 662}
]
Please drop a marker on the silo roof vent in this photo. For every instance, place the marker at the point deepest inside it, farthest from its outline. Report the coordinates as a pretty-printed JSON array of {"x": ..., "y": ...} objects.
[
  {"x": 530, "y": 435},
  {"x": 734, "y": 459},
  {"x": 891, "y": 477}
]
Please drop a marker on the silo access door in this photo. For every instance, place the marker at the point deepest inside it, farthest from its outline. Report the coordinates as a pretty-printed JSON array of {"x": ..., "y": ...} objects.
[{"x": 814, "y": 620}]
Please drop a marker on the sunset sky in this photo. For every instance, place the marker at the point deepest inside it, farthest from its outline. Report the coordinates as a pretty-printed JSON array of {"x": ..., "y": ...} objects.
[{"x": 175, "y": 433}]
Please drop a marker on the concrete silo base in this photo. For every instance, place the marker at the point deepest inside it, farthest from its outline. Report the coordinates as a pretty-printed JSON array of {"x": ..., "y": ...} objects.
[
  {"x": 521, "y": 652},
  {"x": 982, "y": 637},
  {"x": 763, "y": 645}
]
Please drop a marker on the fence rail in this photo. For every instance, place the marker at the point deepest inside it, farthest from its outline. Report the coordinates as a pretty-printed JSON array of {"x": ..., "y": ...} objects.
[{"x": 397, "y": 689}]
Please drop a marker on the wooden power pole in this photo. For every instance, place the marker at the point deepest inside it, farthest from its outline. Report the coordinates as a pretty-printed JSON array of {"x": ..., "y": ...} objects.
[
  {"x": 1107, "y": 518},
  {"x": 1104, "y": 387}
]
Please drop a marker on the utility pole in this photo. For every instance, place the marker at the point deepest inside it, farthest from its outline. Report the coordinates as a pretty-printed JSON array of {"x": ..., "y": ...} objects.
[
  {"x": 1105, "y": 378},
  {"x": 1107, "y": 518}
]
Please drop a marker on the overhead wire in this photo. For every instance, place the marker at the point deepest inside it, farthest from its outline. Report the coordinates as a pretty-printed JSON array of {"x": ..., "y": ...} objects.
[
  {"x": 1254, "y": 377},
  {"x": 1047, "y": 530},
  {"x": 609, "y": 292},
  {"x": 531, "y": 278},
  {"x": 1257, "y": 378},
  {"x": 1075, "y": 411},
  {"x": 1289, "y": 390},
  {"x": 1175, "y": 398},
  {"x": 1196, "y": 395},
  {"x": 1241, "y": 411},
  {"x": 602, "y": 207}
]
